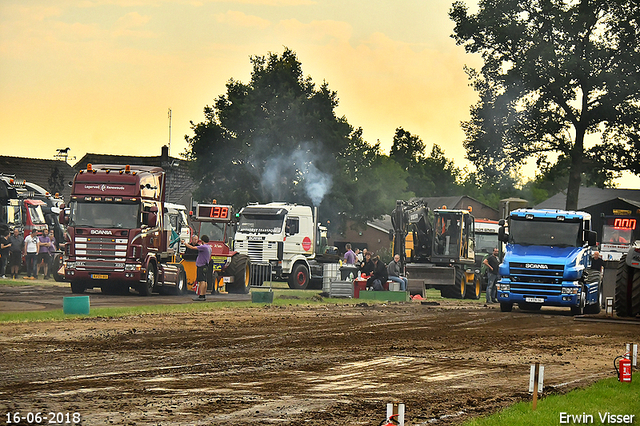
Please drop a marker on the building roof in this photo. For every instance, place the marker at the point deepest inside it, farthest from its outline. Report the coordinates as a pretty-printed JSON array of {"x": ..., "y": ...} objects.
[
  {"x": 52, "y": 175},
  {"x": 589, "y": 196},
  {"x": 180, "y": 186}
]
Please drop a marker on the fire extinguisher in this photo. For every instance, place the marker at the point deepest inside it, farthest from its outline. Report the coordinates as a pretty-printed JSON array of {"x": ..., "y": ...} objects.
[
  {"x": 624, "y": 373},
  {"x": 391, "y": 421}
]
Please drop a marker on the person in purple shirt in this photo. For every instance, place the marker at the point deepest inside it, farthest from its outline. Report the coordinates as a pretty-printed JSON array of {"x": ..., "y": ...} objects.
[
  {"x": 202, "y": 265},
  {"x": 349, "y": 256}
]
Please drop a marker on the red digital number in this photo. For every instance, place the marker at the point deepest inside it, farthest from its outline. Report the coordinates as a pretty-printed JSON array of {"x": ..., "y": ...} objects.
[
  {"x": 624, "y": 223},
  {"x": 219, "y": 212}
]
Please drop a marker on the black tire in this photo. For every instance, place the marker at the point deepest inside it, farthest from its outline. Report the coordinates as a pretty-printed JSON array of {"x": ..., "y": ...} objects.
[
  {"x": 474, "y": 289},
  {"x": 240, "y": 270},
  {"x": 77, "y": 287},
  {"x": 459, "y": 290},
  {"x": 181, "y": 285},
  {"x": 595, "y": 308},
  {"x": 147, "y": 287},
  {"x": 506, "y": 307},
  {"x": 55, "y": 265},
  {"x": 627, "y": 294},
  {"x": 299, "y": 278},
  {"x": 579, "y": 310}
]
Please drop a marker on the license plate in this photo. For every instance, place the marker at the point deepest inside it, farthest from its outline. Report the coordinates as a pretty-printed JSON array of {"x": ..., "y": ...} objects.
[
  {"x": 99, "y": 277},
  {"x": 534, "y": 299}
]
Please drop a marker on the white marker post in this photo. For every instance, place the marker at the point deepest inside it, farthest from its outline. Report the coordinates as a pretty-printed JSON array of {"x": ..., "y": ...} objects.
[
  {"x": 536, "y": 380},
  {"x": 632, "y": 350},
  {"x": 396, "y": 409}
]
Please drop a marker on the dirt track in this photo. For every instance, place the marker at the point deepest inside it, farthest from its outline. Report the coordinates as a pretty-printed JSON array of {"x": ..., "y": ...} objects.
[{"x": 293, "y": 365}]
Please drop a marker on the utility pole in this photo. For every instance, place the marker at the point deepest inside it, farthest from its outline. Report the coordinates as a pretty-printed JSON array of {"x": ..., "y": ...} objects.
[{"x": 169, "y": 131}]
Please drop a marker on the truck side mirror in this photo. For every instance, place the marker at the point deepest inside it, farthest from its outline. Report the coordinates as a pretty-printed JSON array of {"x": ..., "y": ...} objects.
[
  {"x": 592, "y": 238},
  {"x": 62, "y": 217},
  {"x": 502, "y": 234},
  {"x": 391, "y": 234},
  {"x": 152, "y": 219}
]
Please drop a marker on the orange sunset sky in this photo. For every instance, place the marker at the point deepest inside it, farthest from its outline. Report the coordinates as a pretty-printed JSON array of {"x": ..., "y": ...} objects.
[{"x": 100, "y": 75}]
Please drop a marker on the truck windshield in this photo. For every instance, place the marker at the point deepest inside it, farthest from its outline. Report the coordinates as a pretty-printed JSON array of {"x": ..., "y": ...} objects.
[
  {"x": 104, "y": 215},
  {"x": 544, "y": 233},
  {"x": 611, "y": 234},
  {"x": 260, "y": 224},
  {"x": 485, "y": 243},
  {"x": 37, "y": 217},
  {"x": 213, "y": 230}
]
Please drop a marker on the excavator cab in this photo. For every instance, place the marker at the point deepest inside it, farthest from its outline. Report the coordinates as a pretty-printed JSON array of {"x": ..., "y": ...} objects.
[{"x": 453, "y": 236}]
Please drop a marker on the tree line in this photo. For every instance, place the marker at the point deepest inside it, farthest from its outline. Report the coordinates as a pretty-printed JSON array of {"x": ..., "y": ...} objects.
[{"x": 554, "y": 72}]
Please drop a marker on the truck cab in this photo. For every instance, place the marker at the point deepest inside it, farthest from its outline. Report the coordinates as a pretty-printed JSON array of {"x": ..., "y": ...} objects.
[{"x": 547, "y": 262}]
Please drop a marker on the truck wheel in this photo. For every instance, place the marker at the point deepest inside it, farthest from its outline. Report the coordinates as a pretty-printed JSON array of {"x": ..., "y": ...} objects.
[
  {"x": 240, "y": 270},
  {"x": 474, "y": 289},
  {"x": 579, "y": 310},
  {"x": 627, "y": 294},
  {"x": 181, "y": 285},
  {"x": 594, "y": 308},
  {"x": 506, "y": 307},
  {"x": 457, "y": 291},
  {"x": 146, "y": 288},
  {"x": 299, "y": 278},
  {"x": 56, "y": 264},
  {"x": 77, "y": 287}
]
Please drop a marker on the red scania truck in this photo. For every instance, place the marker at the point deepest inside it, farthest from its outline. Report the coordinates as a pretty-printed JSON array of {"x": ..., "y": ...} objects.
[{"x": 116, "y": 235}]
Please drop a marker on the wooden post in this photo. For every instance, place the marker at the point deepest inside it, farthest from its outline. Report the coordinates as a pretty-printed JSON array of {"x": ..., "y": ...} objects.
[{"x": 535, "y": 385}]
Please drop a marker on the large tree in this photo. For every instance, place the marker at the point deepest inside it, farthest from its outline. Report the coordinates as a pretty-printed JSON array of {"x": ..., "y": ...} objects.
[
  {"x": 277, "y": 138},
  {"x": 553, "y": 73},
  {"x": 428, "y": 176}
]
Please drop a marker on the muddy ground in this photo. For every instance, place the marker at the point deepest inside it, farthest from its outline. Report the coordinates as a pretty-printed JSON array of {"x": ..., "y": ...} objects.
[{"x": 298, "y": 365}]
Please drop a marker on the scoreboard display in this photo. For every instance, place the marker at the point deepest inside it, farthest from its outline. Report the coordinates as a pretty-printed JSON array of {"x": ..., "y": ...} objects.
[
  {"x": 213, "y": 212},
  {"x": 622, "y": 223}
]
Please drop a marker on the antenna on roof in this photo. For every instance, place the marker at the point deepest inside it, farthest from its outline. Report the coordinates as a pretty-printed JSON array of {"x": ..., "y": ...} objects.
[{"x": 169, "y": 131}]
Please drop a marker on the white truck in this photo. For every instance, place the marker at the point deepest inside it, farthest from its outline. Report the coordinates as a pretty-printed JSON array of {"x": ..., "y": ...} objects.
[{"x": 284, "y": 242}]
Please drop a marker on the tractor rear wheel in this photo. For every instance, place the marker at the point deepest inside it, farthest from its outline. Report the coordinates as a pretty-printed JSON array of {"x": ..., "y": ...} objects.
[
  {"x": 627, "y": 294},
  {"x": 240, "y": 270}
]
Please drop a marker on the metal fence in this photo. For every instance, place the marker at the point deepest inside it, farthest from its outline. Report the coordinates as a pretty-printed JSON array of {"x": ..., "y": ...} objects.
[{"x": 261, "y": 273}]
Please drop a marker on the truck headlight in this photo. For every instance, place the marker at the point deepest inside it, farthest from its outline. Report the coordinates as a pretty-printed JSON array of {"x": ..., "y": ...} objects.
[
  {"x": 504, "y": 287},
  {"x": 70, "y": 265},
  {"x": 131, "y": 267},
  {"x": 570, "y": 290}
]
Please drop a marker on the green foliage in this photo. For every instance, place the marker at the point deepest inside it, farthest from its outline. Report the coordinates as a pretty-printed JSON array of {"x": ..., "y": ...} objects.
[
  {"x": 553, "y": 73},
  {"x": 277, "y": 138}
]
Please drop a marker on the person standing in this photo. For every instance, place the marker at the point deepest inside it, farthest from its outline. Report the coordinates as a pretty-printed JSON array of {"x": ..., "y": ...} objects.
[
  {"x": 43, "y": 254},
  {"x": 202, "y": 265},
  {"x": 493, "y": 264},
  {"x": 349, "y": 256},
  {"x": 597, "y": 263},
  {"x": 358, "y": 256},
  {"x": 30, "y": 253},
  {"x": 52, "y": 253},
  {"x": 5, "y": 245},
  {"x": 17, "y": 245},
  {"x": 394, "y": 269}
]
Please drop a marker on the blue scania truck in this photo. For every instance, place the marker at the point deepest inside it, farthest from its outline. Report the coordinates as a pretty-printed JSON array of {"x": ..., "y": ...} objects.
[{"x": 547, "y": 262}]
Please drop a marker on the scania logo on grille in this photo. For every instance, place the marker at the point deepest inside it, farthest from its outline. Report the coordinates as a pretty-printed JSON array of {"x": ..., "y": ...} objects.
[
  {"x": 101, "y": 231},
  {"x": 535, "y": 266}
]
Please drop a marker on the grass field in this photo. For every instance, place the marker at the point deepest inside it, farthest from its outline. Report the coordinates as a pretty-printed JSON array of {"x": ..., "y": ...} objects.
[{"x": 593, "y": 405}]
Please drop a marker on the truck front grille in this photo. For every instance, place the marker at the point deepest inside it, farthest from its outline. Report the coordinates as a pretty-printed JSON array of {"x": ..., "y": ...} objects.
[
  {"x": 100, "y": 253},
  {"x": 536, "y": 278}
]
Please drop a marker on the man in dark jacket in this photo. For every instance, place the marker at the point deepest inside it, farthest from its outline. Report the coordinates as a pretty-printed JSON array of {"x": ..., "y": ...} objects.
[{"x": 379, "y": 274}]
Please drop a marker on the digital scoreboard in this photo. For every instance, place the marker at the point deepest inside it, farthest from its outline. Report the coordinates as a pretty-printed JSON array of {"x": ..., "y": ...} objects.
[
  {"x": 215, "y": 212},
  {"x": 622, "y": 223}
]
